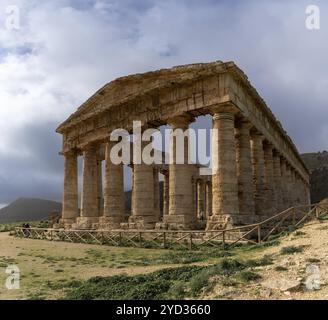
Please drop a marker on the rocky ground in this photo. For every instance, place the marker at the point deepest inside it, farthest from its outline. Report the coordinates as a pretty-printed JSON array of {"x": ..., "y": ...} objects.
[{"x": 299, "y": 269}]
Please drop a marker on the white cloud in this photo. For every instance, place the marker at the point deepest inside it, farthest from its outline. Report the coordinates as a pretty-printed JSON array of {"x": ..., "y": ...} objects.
[{"x": 65, "y": 50}]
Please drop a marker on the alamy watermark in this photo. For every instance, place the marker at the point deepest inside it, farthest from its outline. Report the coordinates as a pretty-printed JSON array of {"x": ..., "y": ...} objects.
[
  {"x": 12, "y": 18},
  {"x": 312, "y": 20},
  {"x": 312, "y": 281},
  {"x": 184, "y": 146},
  {"x": 13, "y": 279}
]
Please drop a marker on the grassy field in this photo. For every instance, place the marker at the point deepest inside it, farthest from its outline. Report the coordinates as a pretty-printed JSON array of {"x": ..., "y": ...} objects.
[
  {"x": 51, "y": 270},
  {"x": 62, "y": 270}
]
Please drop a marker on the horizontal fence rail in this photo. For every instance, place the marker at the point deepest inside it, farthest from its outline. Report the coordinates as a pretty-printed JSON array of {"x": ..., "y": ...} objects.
[{"x": 189, "y": 239}]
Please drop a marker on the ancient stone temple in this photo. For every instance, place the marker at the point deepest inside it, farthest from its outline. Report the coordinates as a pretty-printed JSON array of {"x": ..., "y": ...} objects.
[{"x": 256, "y": 169}]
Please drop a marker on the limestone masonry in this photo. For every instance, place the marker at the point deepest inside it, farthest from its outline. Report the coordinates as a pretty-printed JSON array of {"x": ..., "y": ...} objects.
[{"x": 256, "y": 169}]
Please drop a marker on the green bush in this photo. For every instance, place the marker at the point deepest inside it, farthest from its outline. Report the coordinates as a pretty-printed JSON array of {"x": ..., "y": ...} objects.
[
  {"x": 281, "y": 268},
  {"x": 291, "y": 250},
  {"x": 247, "y": 276}
]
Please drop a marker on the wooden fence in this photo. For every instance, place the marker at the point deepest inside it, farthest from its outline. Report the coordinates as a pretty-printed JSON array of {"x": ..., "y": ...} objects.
[{"x": 190, "y": 239}]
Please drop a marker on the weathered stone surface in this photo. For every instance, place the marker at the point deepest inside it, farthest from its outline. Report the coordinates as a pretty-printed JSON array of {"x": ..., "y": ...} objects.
[
  {"x": 257, "y": 170},
  {"x": 282, "y": 284}
]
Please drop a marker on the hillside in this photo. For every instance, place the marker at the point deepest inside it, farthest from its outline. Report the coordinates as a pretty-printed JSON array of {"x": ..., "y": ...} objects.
[
  {"x": 318, "y": 166},
  {"x": 28, "y": 209}
]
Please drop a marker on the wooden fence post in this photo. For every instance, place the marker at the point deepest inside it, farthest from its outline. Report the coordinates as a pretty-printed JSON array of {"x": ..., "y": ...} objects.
[
  {"x": 294, "y": 217},
  {"x": 164, "y": 240},
  {"x": 140, "y": 239},
  {"x": 223, "y": 240},
  {"x": 190, "y": 242},
  {"x": 259, "y": 234}
]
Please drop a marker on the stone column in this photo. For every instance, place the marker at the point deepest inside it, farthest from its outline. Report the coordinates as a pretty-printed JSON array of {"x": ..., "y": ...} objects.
[
  {"x": 277, "y": 181},
  {"x": 113, "y": 192},
  {"x": 89, "y": 210},
  {"x": 100, "y": 189},
  {"x": 70, "y": 209},
  {"x": 166, "y": 194},
  {"x": 308, "y": 193},
  {"x": 225, "y": 205},
  {"x": 182, "y": 211},
  {"x": 292, "y": 187},
  {"x": 269, "y": 181},
  {"x": 258, "y": 175},
  {"x": 156, "y": 194},
  {"x": 297, "y": 189},
  {"x": 208, "y": 200},
  {"x": 284, "y": 181},
  {"x": 289, "y": 185},
  {"x": 200, "y": 200},
  {"x": 245, "y": 174},
  {"x": 143, "y": 215}
]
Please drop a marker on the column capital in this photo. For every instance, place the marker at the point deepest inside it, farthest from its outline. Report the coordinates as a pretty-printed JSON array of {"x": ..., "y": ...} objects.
[
  {"x": 70, "y": 153},
  {"x": 257, "y": 136},
  {"x": 276, "y": 153},
  {"x": 90, "y": 146},
  {"x": 268, "y": 146},
  {"x": 227, "y": 108},
  {"x": 223, "y": 115},
  {"x": 182, "y": 121},
  {"x": 244, "y": 124}
]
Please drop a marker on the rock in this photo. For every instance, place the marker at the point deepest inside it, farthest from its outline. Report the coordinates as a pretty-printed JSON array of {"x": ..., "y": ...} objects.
[
  {"x": 282, "y": 284},
  {"x": 265, "y": 293}
]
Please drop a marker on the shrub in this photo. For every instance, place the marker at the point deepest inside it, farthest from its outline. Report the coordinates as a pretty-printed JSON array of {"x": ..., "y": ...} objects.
[
  {"x": 281, "y": 268},
  {"x": 291, "y": 250},
  {"x": 247, "y": 276}
]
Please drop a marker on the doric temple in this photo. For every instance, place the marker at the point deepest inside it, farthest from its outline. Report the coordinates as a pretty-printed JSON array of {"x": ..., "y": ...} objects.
[{"x": 256, "y": 169}]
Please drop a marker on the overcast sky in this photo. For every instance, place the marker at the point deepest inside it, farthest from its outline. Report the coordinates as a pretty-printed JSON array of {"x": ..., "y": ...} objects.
[{"x": 65, "y": 50}]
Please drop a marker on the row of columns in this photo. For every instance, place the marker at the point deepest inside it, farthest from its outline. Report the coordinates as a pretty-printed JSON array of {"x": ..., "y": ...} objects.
[{"x": 251, "y": 181}]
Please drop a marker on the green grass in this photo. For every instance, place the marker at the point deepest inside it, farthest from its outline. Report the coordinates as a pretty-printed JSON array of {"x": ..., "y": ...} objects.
[
  {"x": 170, "y": 283},
  {"x": 313, "y": 260},
  {"x": 7, "y": 227},
  {"x": 291, "y": 250},
  {"x": 281, "y": 268}
]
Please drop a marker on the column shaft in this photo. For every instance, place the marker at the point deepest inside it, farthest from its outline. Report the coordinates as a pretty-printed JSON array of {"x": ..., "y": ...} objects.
[
  {"x": 269, "y": 181},
  {"x": 258, "y": 175},
  {"x": 208, "y": 200},
  {"x": 156, "y": 194},
  {"x": 166, "y": 194},
  {"x": 70, "y": 197},
  {"x": 100, "y": 189},
  {"x": 245, "y": 174},
  {"x": 277, "y": 181},
  {"x": 284, "y": 179},
  {"x": 200, "y": 200},
  {"x": 143, "y": 215},
  {"x": 113, "y": 191},
  {"x": 225, "y": 203},
  {"x": 89, "y": 211},
  {"x": 182, "y": 210}
]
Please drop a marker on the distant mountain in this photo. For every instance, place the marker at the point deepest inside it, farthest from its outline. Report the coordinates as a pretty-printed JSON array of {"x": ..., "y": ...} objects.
[
  {"x": 27, "y": 209},
  {"x": 318, "y": 166}
]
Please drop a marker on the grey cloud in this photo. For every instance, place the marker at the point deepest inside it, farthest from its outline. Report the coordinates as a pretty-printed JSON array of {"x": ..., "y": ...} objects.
[{"x": 78, "y": 50}]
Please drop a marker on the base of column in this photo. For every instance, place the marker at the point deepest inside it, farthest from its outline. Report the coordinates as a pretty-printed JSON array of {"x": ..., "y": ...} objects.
[
  {"x": 219, "y": 222},
  {"x": 140, "y": 222},
  {"x": 179, "y": 222},
  {"x": 110, "y": 223},
  {"x": 86, "y": 223},
  {"x": 64, "y": 223}
]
